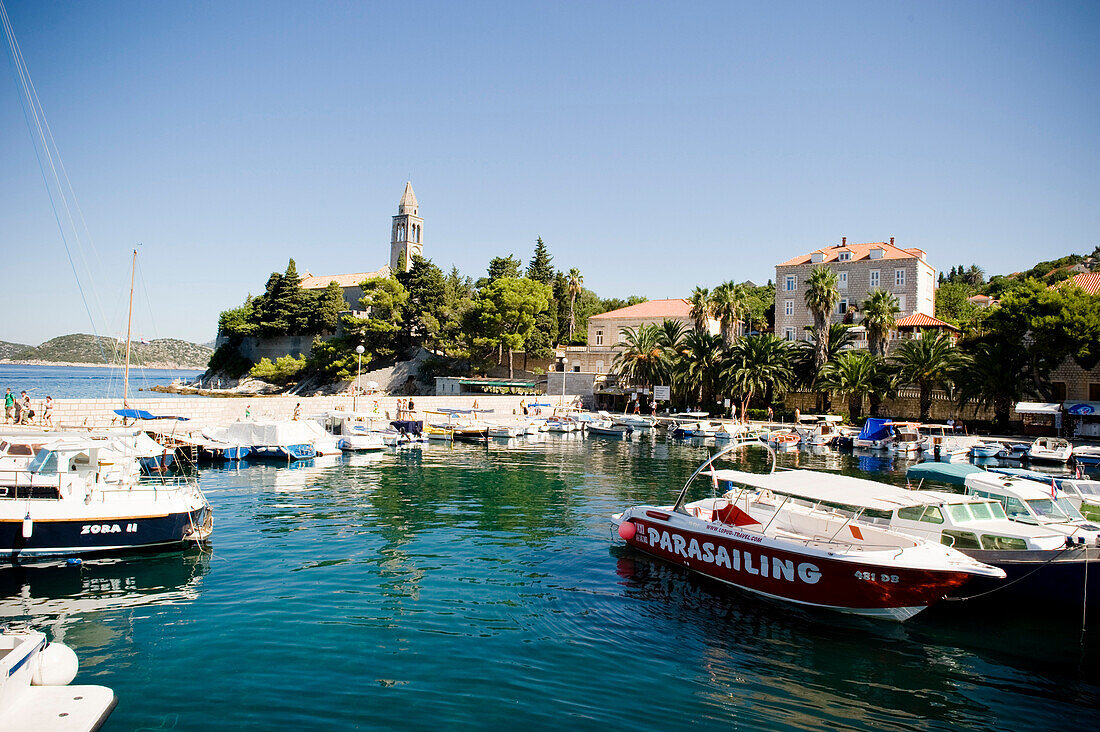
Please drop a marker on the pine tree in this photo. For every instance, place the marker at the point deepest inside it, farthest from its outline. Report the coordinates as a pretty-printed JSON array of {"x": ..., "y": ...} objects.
[{"x": 541, "y": 266}]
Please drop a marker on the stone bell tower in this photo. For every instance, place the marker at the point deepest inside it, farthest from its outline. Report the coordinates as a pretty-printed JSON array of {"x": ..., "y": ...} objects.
[{"x": 408, "y": 230}]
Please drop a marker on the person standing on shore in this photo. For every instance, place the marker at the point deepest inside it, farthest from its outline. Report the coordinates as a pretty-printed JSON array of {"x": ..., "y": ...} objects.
[
  {"x": 47, "y": 412},
  {"x": 9, "y": 406},
  {"x": 24, "y": 411},
  {"x": 297, "y": 411}
]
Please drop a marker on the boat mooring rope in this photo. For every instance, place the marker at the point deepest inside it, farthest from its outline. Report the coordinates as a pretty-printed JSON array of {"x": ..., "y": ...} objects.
[{"x": 1018, "y": 579}]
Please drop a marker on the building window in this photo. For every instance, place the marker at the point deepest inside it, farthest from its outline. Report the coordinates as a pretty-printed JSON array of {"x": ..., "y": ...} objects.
[
  {"x": 788, "y": 307},
  {"x": 844, "y": 256},
  {"x": 842, "y": 280},
  {"x": 1059, "y": 389},
  {"x": 901, "y": 302},
  {"x": 1094, "y": 392},
  {"x": 899, "y": 277},
  {"x": 842, "y": 306},
  {"x": 788, "y": 334},
  {"x": 874, "y": 278},
  {"x": 599, "y": 367},
  {"x": 792, "y": 283},
  {"x": 599, "y": 338},
  {"x": 576, "y": 368}
]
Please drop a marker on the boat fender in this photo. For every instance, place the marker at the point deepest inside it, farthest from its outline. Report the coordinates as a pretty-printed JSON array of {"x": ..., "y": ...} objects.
[
  {"x": 28, "y": 526},
  {"x": 57, "y": 666},
  {"x": 627, "y": 529}
]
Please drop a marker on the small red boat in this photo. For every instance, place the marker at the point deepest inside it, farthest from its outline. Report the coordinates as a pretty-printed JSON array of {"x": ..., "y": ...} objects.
[{"x": 797, "y": 536}]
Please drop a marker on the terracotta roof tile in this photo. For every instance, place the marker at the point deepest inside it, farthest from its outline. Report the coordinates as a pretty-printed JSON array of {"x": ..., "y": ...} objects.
[
  {"x": 1087, "y": 281},
  {"x": 859, "y": 251},
  {"x": 344, "y": 280},
  {"x": 650, "y": 309},
  {"x": 920, "y": 320}
]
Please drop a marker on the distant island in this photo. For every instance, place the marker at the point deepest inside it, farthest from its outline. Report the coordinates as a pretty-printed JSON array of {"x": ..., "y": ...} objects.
[{"x": 81, "y": 349}]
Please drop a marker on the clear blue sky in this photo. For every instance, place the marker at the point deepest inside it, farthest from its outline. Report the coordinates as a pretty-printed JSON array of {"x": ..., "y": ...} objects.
[{"x": 655, "y": 146}]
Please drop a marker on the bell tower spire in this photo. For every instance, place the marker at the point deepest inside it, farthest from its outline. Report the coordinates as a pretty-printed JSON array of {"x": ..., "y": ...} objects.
[{"x": 406, "y": 238}]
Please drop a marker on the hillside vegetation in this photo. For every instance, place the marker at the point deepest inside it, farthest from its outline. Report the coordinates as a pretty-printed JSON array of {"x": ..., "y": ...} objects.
[
  {"x": 82, "y": 348},
  {"x": 9, "y": 350}
]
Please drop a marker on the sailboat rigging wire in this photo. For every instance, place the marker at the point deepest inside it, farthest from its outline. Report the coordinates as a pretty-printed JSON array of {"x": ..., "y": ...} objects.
[{"x": 30, "y": 97}]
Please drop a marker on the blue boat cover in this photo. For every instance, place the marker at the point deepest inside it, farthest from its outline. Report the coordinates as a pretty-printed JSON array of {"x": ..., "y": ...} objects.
[
  {"x": 142, "y": 414},
  {"x": 876, "y": 429},
  {"x": 953, "y": 473},
  {"x": 408, "y": 426}
]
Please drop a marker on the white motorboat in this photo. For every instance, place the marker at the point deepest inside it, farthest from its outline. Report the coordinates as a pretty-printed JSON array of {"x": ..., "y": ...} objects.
[
  {"x": 942, "y": 444},
  {"x": 1032, "y": 503},
  {"x": 35, "y": 692},
  {"x": 1087, "y": 454},
  {"x": 1050, "y": 450},
  {"x": 907, "y": 438},
  {"x": 64, "y": 504},
  {"x": 987, "y": 450},
  {"x": 608, "y": 428},
  {"x": 769, "y": 534}
]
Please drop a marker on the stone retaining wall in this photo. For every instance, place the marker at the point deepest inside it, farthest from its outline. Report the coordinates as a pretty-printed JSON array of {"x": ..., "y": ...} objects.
[{"x": 207, "y": 410}]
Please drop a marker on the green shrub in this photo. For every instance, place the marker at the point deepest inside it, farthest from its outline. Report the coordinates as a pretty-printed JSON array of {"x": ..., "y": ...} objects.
[{"x": 282, "y": 371}]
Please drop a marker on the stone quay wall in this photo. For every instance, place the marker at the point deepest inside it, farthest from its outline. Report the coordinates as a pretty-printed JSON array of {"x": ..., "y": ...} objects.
[{"x": 79, "y": 413}]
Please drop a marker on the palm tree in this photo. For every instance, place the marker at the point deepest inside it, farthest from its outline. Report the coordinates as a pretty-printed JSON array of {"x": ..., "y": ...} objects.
[
  {"x": 671, "y": 340},
  {"x": 641, "y": 358},
  {"x": 700, "y": 361},
  {"x": 822, "y": 295},
  {"x": 927, "y": 362},
  {"x": 838, "y": 338},
  {"x": 852, "y": 374},
  {"x": 995, "y": 373},
  {"x": 758, "y": 365},
  {"x": 700, "y": 307},
  {"x": 726, "y": 303},
  {"x": 884, "y": 384},
  {"x": 880, "y": 318},
  {"x": 574, "y": 286}
]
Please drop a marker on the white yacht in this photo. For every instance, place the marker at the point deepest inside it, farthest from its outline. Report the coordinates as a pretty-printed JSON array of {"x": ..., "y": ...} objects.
[{"x": 77, "y": 496}]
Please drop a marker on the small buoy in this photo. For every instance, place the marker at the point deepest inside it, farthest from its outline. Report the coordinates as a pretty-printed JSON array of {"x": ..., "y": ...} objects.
[
  {"x": 74, "y": 561},
  {"x": 28, "y": 526},
  {"x": 57, "y": 666},
  {"x": 627, "y": 529}
]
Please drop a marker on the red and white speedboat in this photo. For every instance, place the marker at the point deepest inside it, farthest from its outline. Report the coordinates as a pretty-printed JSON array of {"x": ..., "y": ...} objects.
[{"x": 796, "y": 536}]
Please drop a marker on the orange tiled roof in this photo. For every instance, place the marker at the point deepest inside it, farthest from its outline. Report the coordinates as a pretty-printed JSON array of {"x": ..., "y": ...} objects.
[
  {"x": 1087, "y": 281},
  {"x": 310, "y": 282},
  {"x": 920, "y": 320},
  {"x": 859, "y": 251},
  {"x": 650, "y": 309}
]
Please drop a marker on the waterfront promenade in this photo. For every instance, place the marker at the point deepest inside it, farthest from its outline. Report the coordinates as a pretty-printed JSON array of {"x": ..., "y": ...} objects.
[{"x": 79, "y": 413}]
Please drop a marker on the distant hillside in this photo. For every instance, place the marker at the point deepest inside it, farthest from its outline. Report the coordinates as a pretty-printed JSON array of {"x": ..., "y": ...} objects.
[
  {"x": 82, "y": 348},
  {"x": 8, "y": 350}
]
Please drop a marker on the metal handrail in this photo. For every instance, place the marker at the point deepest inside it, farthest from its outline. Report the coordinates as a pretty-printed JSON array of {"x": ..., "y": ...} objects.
[{"x": 729, "y": 448}]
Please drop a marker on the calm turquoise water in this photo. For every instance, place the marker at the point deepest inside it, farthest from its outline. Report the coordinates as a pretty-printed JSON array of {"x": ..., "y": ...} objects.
[
  {"x": 477, "y": 588},
  {"x": 75, "y": 382}
]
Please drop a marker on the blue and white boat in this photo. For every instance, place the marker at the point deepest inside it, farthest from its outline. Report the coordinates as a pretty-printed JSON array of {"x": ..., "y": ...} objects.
[
  {"x": 288, "y": 440},
  {"x": 877, "y": 434}
]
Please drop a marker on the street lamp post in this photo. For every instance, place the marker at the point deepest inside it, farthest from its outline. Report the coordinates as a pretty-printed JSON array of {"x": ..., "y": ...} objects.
[
  {"x": 358, "y": 373},
  {"x": 564, "y": 364}
]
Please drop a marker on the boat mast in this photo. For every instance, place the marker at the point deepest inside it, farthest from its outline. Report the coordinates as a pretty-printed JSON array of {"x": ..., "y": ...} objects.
[{"x": 129, "y": 321}]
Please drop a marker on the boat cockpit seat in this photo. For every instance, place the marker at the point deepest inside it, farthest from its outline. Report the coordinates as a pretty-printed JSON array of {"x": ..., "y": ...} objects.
[{"x": 728, "y": 513}]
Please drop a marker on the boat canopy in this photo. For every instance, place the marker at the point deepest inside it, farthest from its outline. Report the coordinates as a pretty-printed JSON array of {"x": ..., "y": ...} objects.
[
  {"x": 876, "y": 429},
  {"x": 142, "y": 414},
  {"x": 1038, "y": 407},
  {"x": 953, "y": 473},
  {"x": 830, "y": 488}
]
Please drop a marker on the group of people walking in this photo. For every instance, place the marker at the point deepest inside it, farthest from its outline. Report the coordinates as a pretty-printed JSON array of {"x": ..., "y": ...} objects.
[{"x": 19, "y": 410}]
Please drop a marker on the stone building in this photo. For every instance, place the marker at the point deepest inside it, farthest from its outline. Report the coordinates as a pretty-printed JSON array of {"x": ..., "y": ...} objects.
[
  {"x": 605, "y": 332},
  {"x": 860, "y": 269},
  {"x": 406, "y": 239}
]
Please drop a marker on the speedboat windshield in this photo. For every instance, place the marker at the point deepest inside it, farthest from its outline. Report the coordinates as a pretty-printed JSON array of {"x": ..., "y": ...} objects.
[
  {"x": 1048, "y": 508},
  {"x": 975, "y": 511},
  {"x": 44, "y": 462}
]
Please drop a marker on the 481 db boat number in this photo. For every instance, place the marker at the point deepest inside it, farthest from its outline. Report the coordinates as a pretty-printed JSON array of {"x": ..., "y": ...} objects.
[
  {"x": 870, "y": 577},
  {"x": 107, "y": 529}
]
